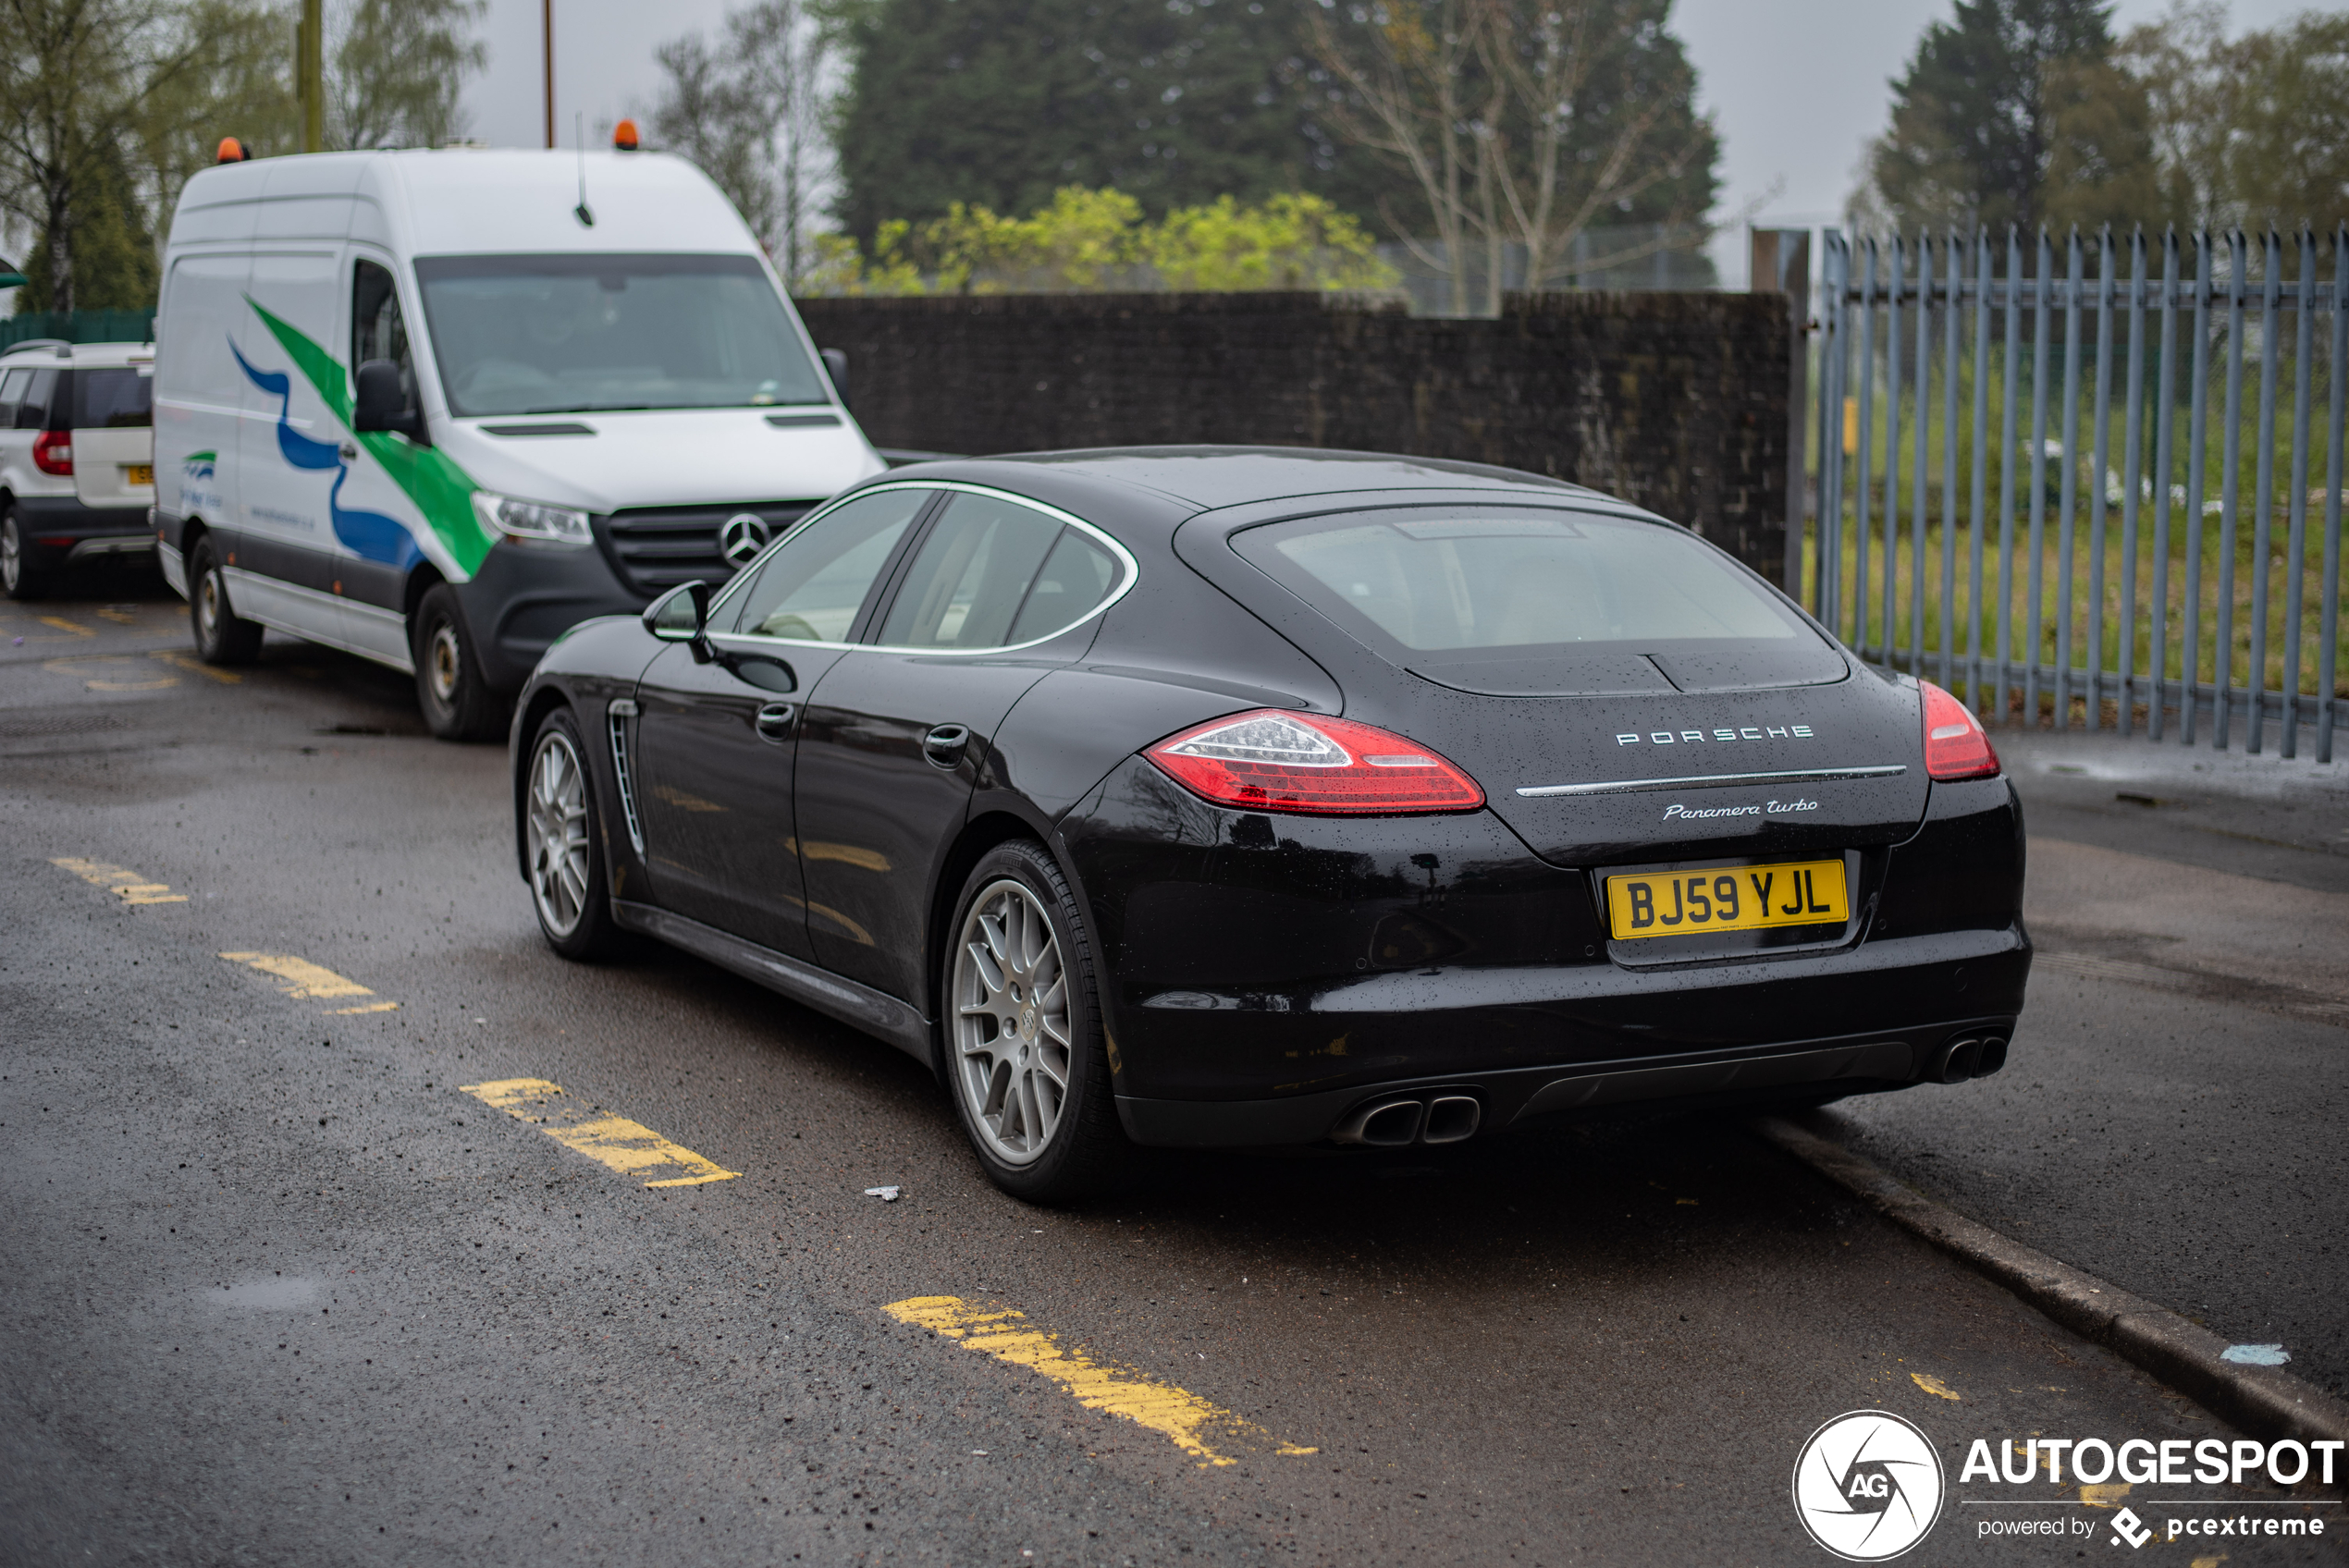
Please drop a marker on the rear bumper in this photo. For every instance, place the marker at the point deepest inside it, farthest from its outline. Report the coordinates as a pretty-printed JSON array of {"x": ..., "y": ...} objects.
[
  {"x": 63, "y": 530},
  {"x": 1265, "y": 977}
]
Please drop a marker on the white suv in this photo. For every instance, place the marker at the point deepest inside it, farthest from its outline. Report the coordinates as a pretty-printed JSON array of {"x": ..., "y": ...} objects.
[{"x": 77, "y": 456}]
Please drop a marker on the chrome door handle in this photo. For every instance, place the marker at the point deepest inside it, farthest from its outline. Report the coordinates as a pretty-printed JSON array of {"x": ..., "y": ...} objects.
[
  {"x": 943, "y": 745},
  {"x": 775, "y": 720}
]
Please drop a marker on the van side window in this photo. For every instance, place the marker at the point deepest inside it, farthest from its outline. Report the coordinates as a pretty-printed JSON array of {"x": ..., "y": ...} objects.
[
  {"x": 34, "y": 413},
  {"x": 377, "y": 332}
]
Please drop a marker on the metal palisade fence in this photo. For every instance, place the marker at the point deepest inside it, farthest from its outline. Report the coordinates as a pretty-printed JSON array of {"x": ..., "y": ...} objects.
[{"x": 2097, "y": 483}]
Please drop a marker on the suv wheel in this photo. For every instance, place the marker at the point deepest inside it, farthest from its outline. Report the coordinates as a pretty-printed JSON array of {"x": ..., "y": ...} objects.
[
  {"x": 221, "y": 636},
  {"x": 17, "y": 573},
  {"x": 1024, "y": 1052},
  {"x": 450, "y": 689}
]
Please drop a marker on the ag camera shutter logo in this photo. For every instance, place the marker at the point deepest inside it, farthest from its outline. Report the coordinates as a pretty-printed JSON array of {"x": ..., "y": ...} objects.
[{"x": 1868, "y": 1486}]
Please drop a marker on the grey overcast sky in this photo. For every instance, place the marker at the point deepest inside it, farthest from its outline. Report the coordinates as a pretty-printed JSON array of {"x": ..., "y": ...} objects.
[{"x": 1797, "y": 86}]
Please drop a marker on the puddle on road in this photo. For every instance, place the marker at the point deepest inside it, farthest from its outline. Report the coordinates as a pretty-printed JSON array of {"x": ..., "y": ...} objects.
[{"x": 264, "y": 1296}]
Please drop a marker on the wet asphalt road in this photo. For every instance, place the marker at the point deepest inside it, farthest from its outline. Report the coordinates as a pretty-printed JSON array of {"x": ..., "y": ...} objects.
[{"x": 280, "y": 1292}]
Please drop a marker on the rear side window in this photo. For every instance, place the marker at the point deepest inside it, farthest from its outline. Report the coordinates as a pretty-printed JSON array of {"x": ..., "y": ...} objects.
[
  {"x": 12, "y": 385},
  {"x": 812, "y": 585},
  {"x": 114, "y": 399},
  {"x": 1077, "y": 575},
  {"x": 34, "y": 413},
  {"x": 971, "y": 577}
]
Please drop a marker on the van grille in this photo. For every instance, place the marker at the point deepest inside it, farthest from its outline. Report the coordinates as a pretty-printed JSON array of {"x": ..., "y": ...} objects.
[{"x": 655, "y": 548}]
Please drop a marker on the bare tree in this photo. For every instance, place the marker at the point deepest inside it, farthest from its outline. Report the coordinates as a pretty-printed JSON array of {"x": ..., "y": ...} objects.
[
  {"x": 1526, "y": 124},
  {"x": 395, "y": 67},
  {"x": 751, "y": 113},
  {"x": 79, "y": 82}
]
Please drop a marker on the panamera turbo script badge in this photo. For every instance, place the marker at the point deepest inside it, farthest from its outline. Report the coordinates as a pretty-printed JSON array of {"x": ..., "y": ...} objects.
[{"x": 742, "y": 537}]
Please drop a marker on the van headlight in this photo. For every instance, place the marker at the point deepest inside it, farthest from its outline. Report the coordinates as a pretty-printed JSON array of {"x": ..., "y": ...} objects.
[{"x": 532, "y": 522}]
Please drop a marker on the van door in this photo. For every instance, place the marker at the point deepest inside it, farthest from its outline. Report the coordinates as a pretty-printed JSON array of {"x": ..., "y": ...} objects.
[
  {"x": 377, "y": 525},
  {"x": 201, "y": 393},
  {"x": 290, "y": 450}
]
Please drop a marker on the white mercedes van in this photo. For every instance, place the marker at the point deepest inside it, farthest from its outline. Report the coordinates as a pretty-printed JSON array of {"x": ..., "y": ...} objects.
[{"x": 436, "y": 408}]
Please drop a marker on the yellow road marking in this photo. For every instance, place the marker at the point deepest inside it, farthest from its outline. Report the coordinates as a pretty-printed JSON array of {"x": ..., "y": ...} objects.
[
  {"x": 628, "y": 1147},
  {"x": 120, "y": 616},
  {"x": 1934, "y": 1386},
  {"x": 306, "y": 979},
  {"x": 179, "y": 660},
  {"x": 79, "y": 668},
  {"x": 1182, "y": 1416},
  {"x": 2104, "y": 1494},
  {"x": 62, "y": 624},
  {"x": 130, "y": 886}
]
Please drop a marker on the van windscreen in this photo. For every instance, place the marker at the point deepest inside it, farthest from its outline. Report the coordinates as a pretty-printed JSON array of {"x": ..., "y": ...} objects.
[{"x": 575, "y": 333}]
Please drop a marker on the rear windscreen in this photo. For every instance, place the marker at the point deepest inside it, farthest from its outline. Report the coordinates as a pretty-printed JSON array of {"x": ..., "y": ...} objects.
[
  {"x": 114, "y": 399},
  {"x": 1523, "y": 596}
]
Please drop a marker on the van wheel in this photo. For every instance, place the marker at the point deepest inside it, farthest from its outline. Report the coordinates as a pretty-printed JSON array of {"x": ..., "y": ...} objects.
[
  {"x": 1025, "y": 1053},
  {"x": 564, "y": 833},
  {"x": 221, "y": 636},
  {"x": 17, "y": 573},
  {"x": 450, "y": 689}
]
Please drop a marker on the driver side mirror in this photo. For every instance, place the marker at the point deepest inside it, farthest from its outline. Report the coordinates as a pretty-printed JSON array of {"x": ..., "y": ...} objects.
[
  {"x": 836, "y": 367},
  {"x": 380, "y": 404},
  {"x": 681, "y": 615}
]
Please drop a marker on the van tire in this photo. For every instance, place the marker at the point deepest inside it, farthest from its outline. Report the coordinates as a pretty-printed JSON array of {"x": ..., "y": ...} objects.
[
  {"x": 222, "y": 636},
  {"x": 19, "y": 576},
  {"x": 455, "y": 696}
]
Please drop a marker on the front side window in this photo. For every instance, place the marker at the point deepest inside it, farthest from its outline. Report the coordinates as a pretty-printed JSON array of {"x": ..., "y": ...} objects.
[
  {"x": 378, "y": 329},
  {"x": 579, "y": 334},
  {"x": 811, "y": 587},
  {"x": 114, "y": 399},
  {"x": 971, "y": 578}
]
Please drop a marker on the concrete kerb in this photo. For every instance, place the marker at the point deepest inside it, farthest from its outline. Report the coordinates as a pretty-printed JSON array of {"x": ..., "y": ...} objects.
[{"x": 2264, "y": 1402}]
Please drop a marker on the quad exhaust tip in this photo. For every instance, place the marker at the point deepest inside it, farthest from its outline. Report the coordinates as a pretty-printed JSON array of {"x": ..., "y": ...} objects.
[
  {"x": 1970, "y": 1057},
  {"x": 1419, "y": 1118}
]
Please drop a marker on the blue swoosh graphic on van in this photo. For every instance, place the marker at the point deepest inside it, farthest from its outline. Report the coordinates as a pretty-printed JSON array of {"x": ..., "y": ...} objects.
[{"x": 369, "y": 535}]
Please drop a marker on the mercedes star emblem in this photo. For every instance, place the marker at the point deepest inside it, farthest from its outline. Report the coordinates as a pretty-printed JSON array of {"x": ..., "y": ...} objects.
[{"x": 741, "y": 537}]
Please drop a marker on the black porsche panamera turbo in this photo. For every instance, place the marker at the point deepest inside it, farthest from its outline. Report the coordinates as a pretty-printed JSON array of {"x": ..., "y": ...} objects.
[{"x": 1225, "y": 796}]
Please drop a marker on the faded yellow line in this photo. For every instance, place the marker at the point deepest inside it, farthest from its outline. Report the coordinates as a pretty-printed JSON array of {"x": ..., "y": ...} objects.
[
  {"x": 179, "y": 660},
  {"x": 130, "y": 886},
  {"x": 62, "y": 624},
  {"x": 303, "y": 978},
  {"x": 628, "y": 1147},
  {"x": 1181, "y": 1415}
]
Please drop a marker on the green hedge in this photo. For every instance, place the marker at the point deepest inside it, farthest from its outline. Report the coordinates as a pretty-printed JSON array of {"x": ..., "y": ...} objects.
[{"x": 79, "y": 326}]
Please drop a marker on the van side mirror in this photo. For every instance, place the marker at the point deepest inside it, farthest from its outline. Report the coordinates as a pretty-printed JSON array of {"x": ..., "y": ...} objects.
[
  {"x": 836, "y": 366},
  {"x": 681, "y": 615},
  {"x": 381, "y": 405}
]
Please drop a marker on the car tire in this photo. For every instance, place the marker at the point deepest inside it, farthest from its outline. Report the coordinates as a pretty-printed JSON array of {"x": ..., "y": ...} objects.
[
  {"x": 563, "y": 843},
  {"x": 222, "y": 637},
  {"x": 450, "y": 689},
  {"x": 1023, "y": 1048},
  {"x": 19, "y": 576}
]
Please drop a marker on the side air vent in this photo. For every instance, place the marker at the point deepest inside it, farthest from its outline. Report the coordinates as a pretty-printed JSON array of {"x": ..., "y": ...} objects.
[{"x": 617, "y": 717}]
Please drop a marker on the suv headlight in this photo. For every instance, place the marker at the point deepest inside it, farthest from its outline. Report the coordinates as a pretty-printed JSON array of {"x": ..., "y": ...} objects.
[{"x": 532, "y": 523}]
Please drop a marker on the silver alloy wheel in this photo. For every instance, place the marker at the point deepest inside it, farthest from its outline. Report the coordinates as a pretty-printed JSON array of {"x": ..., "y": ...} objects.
[
  {"x": 11, "y": 553},
  {"x": 1014, "y": 1049},
  {"x": 558, "y": 829},
  {"x": 444, "y": 663}
]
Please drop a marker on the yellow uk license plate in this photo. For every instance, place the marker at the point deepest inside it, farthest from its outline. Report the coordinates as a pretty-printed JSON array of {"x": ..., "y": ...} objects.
[
  {"x": 1742, "y": 897},
  {"x": 138, "y": 474}
]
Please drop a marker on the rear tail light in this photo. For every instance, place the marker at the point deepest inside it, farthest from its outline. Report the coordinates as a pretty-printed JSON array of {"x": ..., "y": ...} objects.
[
  {"x": 1289, "y": 762},
  {"x": 53, "y": 451},
  {"x": 1955, "y": 746}
]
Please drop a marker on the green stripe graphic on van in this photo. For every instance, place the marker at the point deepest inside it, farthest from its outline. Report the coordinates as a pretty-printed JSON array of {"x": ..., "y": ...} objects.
[{"x": 442, "y": 491}]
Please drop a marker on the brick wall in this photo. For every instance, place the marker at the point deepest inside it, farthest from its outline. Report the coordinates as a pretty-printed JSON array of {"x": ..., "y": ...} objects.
[{"x": 1675, "y": 401}]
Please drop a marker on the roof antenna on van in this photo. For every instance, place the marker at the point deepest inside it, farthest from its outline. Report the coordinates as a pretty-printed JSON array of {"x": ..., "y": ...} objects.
[{"x": 584, "y": 213}]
